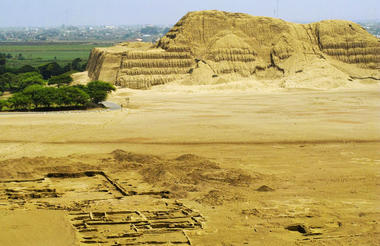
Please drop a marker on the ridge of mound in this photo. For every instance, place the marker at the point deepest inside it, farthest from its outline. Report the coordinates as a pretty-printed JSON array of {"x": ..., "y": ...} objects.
[{"x": 231, "y": 46}]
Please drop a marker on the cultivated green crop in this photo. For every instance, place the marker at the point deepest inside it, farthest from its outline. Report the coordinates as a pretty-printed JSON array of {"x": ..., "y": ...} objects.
[{"x": 36, "y": 54}]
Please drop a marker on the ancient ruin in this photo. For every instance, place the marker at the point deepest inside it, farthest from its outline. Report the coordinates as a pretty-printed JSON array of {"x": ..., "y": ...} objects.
[
  {"x": 99, "y": 208},
  {"x": 215, "y": 46}
]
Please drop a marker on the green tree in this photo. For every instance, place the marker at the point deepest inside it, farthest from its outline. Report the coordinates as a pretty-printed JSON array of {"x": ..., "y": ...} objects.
[
  {"x": 98, "y": 90},
  {"x": 46, "y": 97},
  {"x": 20, "y": 57},
  {"x": 76, "y": 64},
  {"x": 50, "y": 69},
  {"x": 59, "y": 80},
  {"x": 34, "y": 93},
  {"x": 84, "y": 66},
  {"x": 67, "y": 68},
  {"x": 20, "y": 101},
  {"x": 3, "y": 61},
  {"x": 3, "y": 104},
  {"x": 42, "y": 97},
  {"x": 28, "y": 79},
  {"x": 26, "y": 69},
  {"x": 7, "y": 80},
  {"x": 73, "y": 96}
]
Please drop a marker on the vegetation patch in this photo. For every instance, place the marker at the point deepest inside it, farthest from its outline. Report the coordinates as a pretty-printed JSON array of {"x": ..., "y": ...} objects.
[
  {"x": 46, "y": 87},
  {"x": 39, "y": 97}
]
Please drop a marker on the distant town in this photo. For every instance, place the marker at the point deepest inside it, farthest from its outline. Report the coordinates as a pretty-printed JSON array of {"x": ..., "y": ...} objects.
[
  {"x": 146, "y": 33},
  {"x": 372, "y": 27}
]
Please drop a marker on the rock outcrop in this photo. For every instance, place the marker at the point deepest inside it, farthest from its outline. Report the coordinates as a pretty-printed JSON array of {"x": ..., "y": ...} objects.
[{"x": 217, "y": 46}]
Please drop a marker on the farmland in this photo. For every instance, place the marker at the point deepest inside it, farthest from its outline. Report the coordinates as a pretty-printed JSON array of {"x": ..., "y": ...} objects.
[{"x": 38, "y": 53}]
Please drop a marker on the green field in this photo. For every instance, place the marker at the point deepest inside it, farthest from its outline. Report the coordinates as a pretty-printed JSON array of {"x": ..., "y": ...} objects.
[{"x": 36, "y": 54}]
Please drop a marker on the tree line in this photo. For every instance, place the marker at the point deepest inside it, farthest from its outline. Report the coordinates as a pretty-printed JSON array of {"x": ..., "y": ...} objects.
[
  {"x": 47, "y": 70},
  {"x": 47, "y": 87},
  {"x": 15, "y": 80},
  {"x": 41, "y": 97}
]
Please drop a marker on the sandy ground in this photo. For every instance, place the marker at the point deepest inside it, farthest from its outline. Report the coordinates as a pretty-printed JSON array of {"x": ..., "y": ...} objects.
[
  {"x": 35, "y": 228},
  {"x": 316, "y": 151}
]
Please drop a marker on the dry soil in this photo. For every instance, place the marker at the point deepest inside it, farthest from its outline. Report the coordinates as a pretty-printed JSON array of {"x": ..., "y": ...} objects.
[{"x": 241, "y": 166}]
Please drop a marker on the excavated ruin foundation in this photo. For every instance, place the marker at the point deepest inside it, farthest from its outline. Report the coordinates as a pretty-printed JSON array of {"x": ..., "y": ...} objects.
[{"x": 100, "y": 210}]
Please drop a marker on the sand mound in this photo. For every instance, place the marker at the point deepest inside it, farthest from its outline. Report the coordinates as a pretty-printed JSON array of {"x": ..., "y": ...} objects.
[
  {"x": 31, "y": 168},
  {"x": 123, "y": 156},
  {"x": 264, "y": 188},
  {"x": 189, "y": 157},
  {"x": 186, "y": 173},
  {"x": 218, "y": 198},
  {"x": 193, "y": 173},
  {"x": 211, "y": 47},
  {"x": 179, "y": 177}
]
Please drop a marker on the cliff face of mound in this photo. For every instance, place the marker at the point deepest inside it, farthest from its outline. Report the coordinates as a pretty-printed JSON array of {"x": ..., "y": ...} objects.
[
  {"x": 138, "y": 65},
  {"x": 214, "y": 45}
]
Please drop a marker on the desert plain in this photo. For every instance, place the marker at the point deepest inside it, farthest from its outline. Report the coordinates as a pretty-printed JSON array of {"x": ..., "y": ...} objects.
[{"x": 224, "y": 164}]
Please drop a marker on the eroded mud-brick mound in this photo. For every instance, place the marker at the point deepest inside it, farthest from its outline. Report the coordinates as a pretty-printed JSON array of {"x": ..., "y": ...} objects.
[{"x": 215, "y": 46}]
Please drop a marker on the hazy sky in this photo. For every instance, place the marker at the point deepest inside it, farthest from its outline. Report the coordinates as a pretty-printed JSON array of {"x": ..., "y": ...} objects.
[{"x": 130, "y": 12}]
